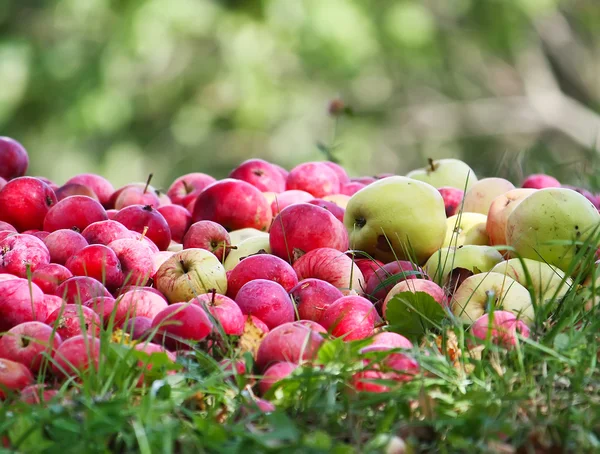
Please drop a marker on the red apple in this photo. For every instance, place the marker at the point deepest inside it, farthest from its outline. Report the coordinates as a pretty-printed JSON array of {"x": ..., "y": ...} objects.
[
  {"x": 73, "y": 320},
  {"x": 140, "y": 218},
  {"x": 111, "y": 213},
  {"x": 70, "y": 189},
  {"x": 2, "y": 183},
  {"x": 76, "y": 355},
  {"x": 452, "y": 199},
  {"x": 208, "y": 235},
  {"x": 234, "y": 204},
  {"x": 37, "y": 394},
  {"x": 63, "y": 244},
  {"x": 260, "y": 174},
  {"x": 402, "y": 269},
  {"x": 339, "y": 171},
  {"x": 53, "y": 302},
  {"x": 13, "y": 377},
  {"x": 49, "y": 277},
  {"x": 105, "y": 232},
  {"x": 135, "y": 194},
  {"x": 282, "y": 171},
  {"x": 266, "y": 300},
  {"x": 22, "y": 254},
  {"x": 27, "y": 342},
  {"x": 368, "y": 267},
  {"x": 25, "y": 202},
  {"x": 100, "y": 262},
  {"x": 13, "y": 158},
  {"x": 364, "y": 180},
  {"x": 540, "y": 181},
  {"x": 152, "y": 350},
  {"x": 100, "y": 185},
  {"x": 392, "y": 340},
  {"x": 337, "y": 211},
  {"x": 179, "y": 323},
  {"x": 260, "y": 266},
  {"x": 302, "y": 227},
  {"x": 287, "y": 198},
  {"x": 139, "y": 328},
  {"x": 316, "y": 178},
  {"x": 350, "y": 317},
  {"x": 139, "y": 302},
  {"x": 225, "y": 310},
  {"x": 75, "y": 212},
  {"x": 179, "y": 220},
  {"x": 274, "y": 374},
  {"x": 79, "y": 289},
  {"x": 40, "y": 234},
  {"x": 187, "y": 187},
  {"x": 136, "y": 260},
  {"x": 257, "y": 322},
  {"x": 417, "y": 285},
  {"x": 399, "y": 367},
  {"x": 351, "y": 188},
  {"x": 312, "y": 297},
  {"x": 104, "y": 306},
  {"x": 5, "y": 226},
  {"x": 501, "y": 327},
  {"x": 145, "y": 241}
]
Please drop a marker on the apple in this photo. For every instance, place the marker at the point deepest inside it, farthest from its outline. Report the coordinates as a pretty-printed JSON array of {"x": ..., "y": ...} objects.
[
  {"x": 500, "y": 208},
  {"x": 74, "y": 212},
  {"x": 501, "y": 327},
  {"x": 350, "y": 317},
  {"x": 73, "y": 320},
  {"x": 393, "y": 340},
  {"x": 210, "y": 236},
  {"x": 267, "y": 300},
  {"x": 248, "y": 247},
  {"x": 49, "y": 277},
  {"x": 466, "y": 228},
  {"x": 20, "y": 301},
  {"x": 351, "y": 188},
  {"x": 78, "y": 289},
  {"x": 37, "y": 394},
  {"x": 540, "y": 181},
  {"x": 282, "y": 171},
  {"x": 138, "y": 328},
  {"x": 312, "y": 325},
  {"x": 234, "y": 204},
  {"x": 312, "y": 297},
  {"x": 136, "y": 194},
  {"x": 63, "y": 244},
  {"x": 148, "y": 221},
  {"x": 179, "y": 323},
  {"x": 339, "y": 171},
  {"x": 179, "y": 220},
  {"x": 287, "y": 198},
  {"x": 136, "y": 260},
  {"x": 481, "y": 195},
  {"x": 401, "y": 268},
  {"x": 27, "y": 343},
  {"x": 340, "y": 200},
  {"x": 301, "y": 228},
  {"x": 39, "y": 234},
  {"x": 75, "y": 356},
  {"x": 417, "y": 285},
  {"x": 100, "y": 185},
  {"x": 187, "y": 187},
  {"x": 260, "y": 174},
  {"x": 14, "y": 159},
  {"x": 446, "y": 172},
  {"x": 140, "y": 302},
  {"x": 274, "y": 374},
  {"x": 414, "y": 228},
  {"x": 52, "y": 302},
  {"x": 5, "y": 226},
  {"x": 223, "y": 309},
  {"x": 142, "y": 238},
  {"x": 2, "y": 183},
  {"x": 104, "y": 306},
  {"x": 453, "y": 198},
  {"x": 261, "y": 266},
  {"x": 70, "y": 189},
  {"x": 316, "y": 178},
  {"x": 476, "y": 259},
  {"x": 152, "y": 350},
  {"x": 471, "y": 299},
  {"x": 25, "y": 202},
  {"x": 331, "y": 207},
  {"x": 549, "y": 216},
  {"x": 332, "y": 266},
  {"x": 105, "y": 232},
  {"x": 237, "y": 236},
  {"x": 368, "y": 267},
  {"x": 291, "y": 342},
  {"x": 22, "y": 254},
  {"x": 13, "y": 377},
  {"x": 584, "y": 192},
  {"x": 394, "y": 367},
  {"x": 99, "y": 262},
  {"x": 158, "y": 258},
  {"x": 363, "y": 180},
  {"x": 189, "y": 273}
]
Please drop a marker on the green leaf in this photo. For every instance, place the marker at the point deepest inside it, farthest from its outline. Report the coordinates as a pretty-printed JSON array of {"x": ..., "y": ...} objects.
[{"x": 412, "y": 314}]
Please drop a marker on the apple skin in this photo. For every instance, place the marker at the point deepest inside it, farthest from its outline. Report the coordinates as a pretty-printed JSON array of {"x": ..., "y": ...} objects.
[
  {"x": 350, "y": 317},
  {"x": 363, "y": 180},
  {"x": 136, "y": 260},
  {"x": 75, "y": 356},
  {"x": 100, "y": 185},
  {"x": 339, "y": 171},
  {"x": 469, "y": 300},
  {"x": 267, "y": 300},
  {"x": 68, "y": 321},
  {"x": 261, "y": 266},
  {"x": 368, "y": 267},
  {"x": 540, "y": 181},
  {"x": 292, "y": 342},
  {"x": 260, "y": 174},
  {"x": 75, "y": 212},
  {"x": 466, "y": 228},
  {"x": 332, "y": 266},
  {"x": 481, "y": 195},
  {"x": 399, "y": 267},
  {"x": 53, "y": 302},
  {"x": 99, "y": 262},
  {"x": 258, "y": 323},
  {"x": 179, "y": 220},
  {"x": 49, "y": 277},
  {"x": 237, "y": 236},
  {"x": 67, "y": 190},
  {"x": 151, "y": 349},
  {"x": 208, "y": 235},
  {"x": 234, "y": 204},
  {"x": 312, "y": 297},
  {"x": 20, "y": 301},
  {"x": 158, "y": 258},
  {"x": 181, "y": 322},
  {"x": 398, "y": 367},
  {"x": 417, "y": 223},
  {"x": 500, "y": 208},
  {"x": 340, "y": 200},
  {"x": 331, "y": 207},
  {"x": 37, "y": 394},
  {"x": 417, "y": 285},
  {"x": 225, "y": 310},
  {"x": 79, "y": 289},
  {"x": 584, "y": 192},
  {"x": 21, "y": 254},
  {"x": 138, "y": 328},
  {"x": 189, "y": 273},
  {"x": 27, "y": 342},
  {"x": 140, "y": 218},
  {"x": 104, "y": 306},
  {"x": 301, "y": 228},
  {"x": 248, "y": 247},
  {"x": 351, "y": 188},
  {"x": 549, "y": 215},
  {"x": 63, "y": 244},
  {"x": 14, "y": 159},
  {"x": 502, "y": 329},
  {"x": 453, "y": 198},
  {"x": 105, "y": 232},
  {"x": 187, "y": 187},
  {"x": 446, "y": 172},
  {"x": 316, "y": 178},
  {"x": 25, "y": 202},
  {"x": 139, "y": 302},
  {"x": 136, "y": 195},
  {"x": 5, "y": 226},
  {"x": 13, "y": 377},
  {"x": 2, "y": 183},
  {"x": 274, "y": 374},
  {"x": 287, "y": 198},
  {"x": 391, "y": 339}
]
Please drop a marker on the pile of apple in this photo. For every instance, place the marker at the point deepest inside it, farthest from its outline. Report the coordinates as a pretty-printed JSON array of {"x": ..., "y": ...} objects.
[{"x": 300, "y": 256}]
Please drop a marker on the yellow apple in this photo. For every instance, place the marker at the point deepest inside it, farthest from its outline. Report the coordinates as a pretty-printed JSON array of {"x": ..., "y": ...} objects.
[
  {"x": 477, "y": 259},
  {"x": 340, "y": 200},
  {"x": 501, "y": 207},
  {"x": 481, "y": 195},
  {"x": 466, "y": 228},
  {"x": 237, "y": 236},
  {"x": 446, "y": 172},
  {"x": 247, "y": 247}
]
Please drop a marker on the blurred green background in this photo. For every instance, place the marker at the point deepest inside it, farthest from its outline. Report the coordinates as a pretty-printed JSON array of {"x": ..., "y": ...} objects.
[{"x": 129, "y": 87}]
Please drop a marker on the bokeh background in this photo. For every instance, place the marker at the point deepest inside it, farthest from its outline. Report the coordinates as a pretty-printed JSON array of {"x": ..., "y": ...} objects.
[{"x": 129, "y": 87}]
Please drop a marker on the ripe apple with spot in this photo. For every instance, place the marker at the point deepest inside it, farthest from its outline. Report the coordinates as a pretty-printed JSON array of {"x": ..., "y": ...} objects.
[
  {"x": 210, "y": 236},
  {"x": 136, "y": 260},
  {"x": 267, "y": 300},
  {"x": 22, "y": 254},
  {"x": 25, "y": 202},
  {"x": 181, "y": 323},
  {"x": 27, "y": 343},
  {"x": 223, "y": 309},
  {"x": 73, "y": 320},
  {"x": 261, "y": 266},
  {"x": 99, "y": 262},
  {"x": 312, "y": 297},
  {"x": 79, "y": 289},
  {"x": 350, "y": 317}
]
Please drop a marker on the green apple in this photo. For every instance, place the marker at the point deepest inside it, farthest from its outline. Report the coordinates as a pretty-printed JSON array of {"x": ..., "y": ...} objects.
[
  {"x": 501, "y": 207},
  {"x": 481, "y": 195},
  {"x": 237, "y": 236},
  {"x": 477, "y": 259},
  {"x": 466, "y": 228},
  {"x": 446, "y": 172},
  {"x": 471, "y": 299},
  {"x": 249, "y": 246},
  {"x": 551, "y": 224},
  {"x": 396, "y": 218}
]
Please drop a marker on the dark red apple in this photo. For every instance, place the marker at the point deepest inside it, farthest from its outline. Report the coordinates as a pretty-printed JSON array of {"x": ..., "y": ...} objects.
[
  {"x": 274, "y": 374},
  {"x": 49, "y": 277},
  {"x": 225, "y": 310},
  {"x": 13, "y": 159},
  {"x": 20, "y": 301},
  {"x": 312, "y": 297},
  {"x": 316, "y": 178},
  {"x": 79, "y": 289},
  {"x": 453, "y": 198},
  {"x": 105, "y": 232},
  {"x": 266, "y": 300},
  {"x": 350, "y": 317},
  {"x": 136, "y": 259},
  {"x": 63, "y": 244},
  {"x": 22, "y": 254},
  {"x": 260, "y": 174},
  {"x": 100, "y": 262},
  {"x": 187, "y": 187},
  {"x": 25, "y": 202},
  {"x": 73, "y": 320},
  {"x": 337, "y": 211},
  {"x": 13, "y": 377},
  {"x": 260, "y": 266},
  {"x": 70, "y": 189},
  {"x": 208, "y": 235},
  {"x": 287, "y": 198},
  {"x": 179, "y": 220},
  {"x": 100, "y": 185},
  {"x": 144, "y": 218},
  {"x": 75, "y": 356},
  {"x": 368, "y": 267},
  {"x": 179, "y": 323},
  {"x": 139, "y": 328},
  {"x": 75, "y": 212},
  {"x": 27, "y": 343}
]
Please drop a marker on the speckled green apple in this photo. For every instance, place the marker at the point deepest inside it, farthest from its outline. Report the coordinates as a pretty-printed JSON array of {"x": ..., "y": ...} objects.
[
  {"x": 446, "y": 172},
  {"x": 477, "y": 259},
  {"x": 466, "y": 228}
]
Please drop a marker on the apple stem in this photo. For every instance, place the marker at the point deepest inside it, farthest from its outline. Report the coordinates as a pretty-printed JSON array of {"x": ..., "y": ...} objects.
[
  {"x": 144, "y": 233},
  {"x": 431, "y": 164},
  {"x": 187, "y": 187},
  {"x": 148, "y": 182},
  {"x": 214, "y": 294}
]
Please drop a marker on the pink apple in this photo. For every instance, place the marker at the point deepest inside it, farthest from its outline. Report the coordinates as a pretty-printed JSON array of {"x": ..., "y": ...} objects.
[
  {"x": 257, "y": 322},
  {"x": 392, "y": 340},
  {"x": 368, "y": 267},
  {"x": 234, "y": 204},
  {"x": 70, "y": 189},
  {"x": 339, "y": 171},
  {"x": 53, "y": 302},
  {"x": 5, "y": 226},
  {"x": 2, "y": 183},
  {"x": 158, "y": 258},
  {"x": 136, "y": 260},
  {"x": 25, "y": 202},
  {"x": 27, "y": 343},
  {"x": 22, "y": 254},
  {"x": 293, "y": 342},
  {"x": 136, "y": 303},
  {"x": 187, "y": 187},
  {"x": 225, "y": 310},
  {"x": 261, "y": 266},
  {"x": 37, "y": 394},
  {"x": 208, "y": 235},
  {"x": 332, "y": 266},
  {"x": 152, "y": 350},
  {"x": 75, "y": 356},
  {"x": 139, "y": 328},
  {"x": 452, "y": 199},
  {"x": 40, "y": 234},
  {"x": 75, "y": 212},
  {"x": 146, "y": 241},
  {"x": 111, "y": 213},
  {"x": 105, "y": 232},
  {"x": 282, "y": 171},
  {"x": 337, "y": 211},
  {"x": 137, "y": 195},
  {"x": 78, "y": 289},
  {"x": 13, "y": 159},
  {"x": 49, "y": 277},
  {"x": 351, "y": 188},
  {"x": 104, "y": 306},
  {"x": 73, "y": 320},
  {"x": 260, "y": 174},
  {"x": 312, "y": 297},
  {"x": 179, "y": 220},
  {"x": 179, "y": 323},
  {"x": 540, "y": 181},
  {"x": 140, "y": 218},
  {"x": 63, "y": 244},
  {"x": 350, "y": 317},
  {"x": 501, "y": 327},
  {"x": 313, "y": 326},
  {"x": 287, "y": 198},
  {"x": 364, "y": 180},
  {"x": 402, "y": 269},
  {"x": 399, "y": 367},
  {"x": 274, "y": 374},
  {"x": 266, "y": 300},
  {"x": 100, "y": 185},
  {"x": 315, "y": 178},
  {"x": 13, "y": 377},
  {"x": 303, "y": 227},
  {"x": 100, "y": 262},
  {"x": 417, "y": 285},
  {"x": 5, "y": 234}
]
